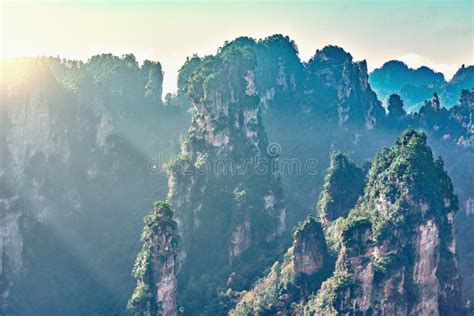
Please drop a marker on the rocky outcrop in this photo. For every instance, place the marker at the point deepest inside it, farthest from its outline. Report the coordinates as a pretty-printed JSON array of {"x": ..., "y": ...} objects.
[
  {"x": 69, "y": 130},
  {"x": 30, "y": 134},
  {"x": 397, "y": 254},
  {"x": 414, "y": 85},
  {"x": 156, "y": 265},
  {"x": 11, "y": 245},
  {"x": 293, "y": 279},
  {"x": 341, "y": 87},
  {"x": 223, "y": 185},
  {"x": 311, "y": 109},
  {"x": 310, "y": 253}
]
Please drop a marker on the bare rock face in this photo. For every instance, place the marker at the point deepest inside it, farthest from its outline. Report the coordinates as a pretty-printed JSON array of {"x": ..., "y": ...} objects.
[
  {"x": 69, "y": 131},
  {"x": 313, "y": 108},
  {"x": 156, "y": 265},
  {"x": 11, "y": 245},
  {"x": 341, "y": 85},
  {"x": 402, "y": 260},
  {"x": 309, "y": 248},
  {"x": 31, "y": 134},
  {"x": 426, "y": 265},
  {"x": 223, "y": 185},
  {"x": 241, "y": 239},
  {"x": 285, "y": 289}
]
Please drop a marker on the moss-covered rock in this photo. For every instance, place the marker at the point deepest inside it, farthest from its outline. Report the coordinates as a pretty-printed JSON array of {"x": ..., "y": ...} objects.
[
  {"x": 156, "y": 265},
  {"x": 398, "y": 242},
  {"x": 293, "y": 279}
]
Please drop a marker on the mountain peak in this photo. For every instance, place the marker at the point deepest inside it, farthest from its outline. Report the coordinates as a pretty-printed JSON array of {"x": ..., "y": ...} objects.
[{"x": 332, "y": 53}]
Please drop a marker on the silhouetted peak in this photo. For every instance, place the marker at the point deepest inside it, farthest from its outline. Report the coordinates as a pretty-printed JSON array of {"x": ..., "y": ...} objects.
[{"x": 332, "y": 53}]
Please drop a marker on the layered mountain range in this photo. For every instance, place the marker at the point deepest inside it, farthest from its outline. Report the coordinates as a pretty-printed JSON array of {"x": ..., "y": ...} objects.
[
  {"x": 417, "y": 85},
  {"x": 83, "y": 147},
  {"x": 395, "y": 247}
]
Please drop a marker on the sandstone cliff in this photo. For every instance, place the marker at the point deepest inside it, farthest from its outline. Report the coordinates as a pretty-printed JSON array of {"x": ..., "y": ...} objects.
[
  {"x": 156, "y": 265},
  {"x": 76, "y": 166},
  {"x": 398, "y": 251},
  {"x": 292, "y": 280},
  {"x": 224, "y": 185}
]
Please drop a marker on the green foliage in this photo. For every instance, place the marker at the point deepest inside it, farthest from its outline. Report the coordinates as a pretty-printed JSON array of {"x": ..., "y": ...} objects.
[
  {"x": 223, "y": 206},
  {"x": 239, "y": 195},
  {"x": 220, "y": 74},
  {"x": 405, "y": 175},
  {"x": 132, "y": 94},
  {"x": 383, "y": 266},
  {"x": 107, "y": 128},
  {"x": 343, "y": 184},
  {"x": 283, "y": 289},
  {"x": 354, "y": 225},
  {"x": 405, "y": 187},
  {"x": 332, "y": 235},
  {"x": 332, "y": 291},
  {"x": 158, "y": 225},
  {"x": 141, "y": 297}
]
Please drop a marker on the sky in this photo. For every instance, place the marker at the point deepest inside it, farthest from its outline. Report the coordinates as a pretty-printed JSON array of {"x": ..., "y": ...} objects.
[{"x": 435, "y": 33}]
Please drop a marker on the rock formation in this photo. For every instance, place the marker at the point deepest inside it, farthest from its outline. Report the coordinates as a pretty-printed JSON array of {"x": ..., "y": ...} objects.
[
  {"x": 343, "y": 184},
  {"x": 309, "y": 248},
  {"x": 75, "y": 177},
  {"x": 11, "y": 242},
  {"x": 397, "y": 253},
  {"x": 224, "y": 184},
  {"x": 156, "y": 265},
  {"x": 417, "y": 85},
  {"x": 341, "y": 85},
  {"x": 311, "y": 109},
  {"x": 293, "y": 279},
  {"x": 398, "y": 250},
  {"x": 81, "y": 144}
]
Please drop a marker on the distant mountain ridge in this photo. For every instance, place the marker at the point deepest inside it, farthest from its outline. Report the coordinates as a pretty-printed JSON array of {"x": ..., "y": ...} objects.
[{"x": 417, "y": 85}]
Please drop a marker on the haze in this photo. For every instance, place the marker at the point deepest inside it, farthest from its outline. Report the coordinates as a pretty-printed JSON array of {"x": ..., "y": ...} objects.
[{"x": 438, "y": 34}]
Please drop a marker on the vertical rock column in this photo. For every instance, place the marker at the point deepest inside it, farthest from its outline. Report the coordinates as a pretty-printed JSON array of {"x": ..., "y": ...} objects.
[{"x": 156, "y": 265}]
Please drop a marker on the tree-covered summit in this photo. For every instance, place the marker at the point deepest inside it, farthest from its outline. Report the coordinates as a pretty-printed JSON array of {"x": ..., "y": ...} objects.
[
  {"x": 343, "y": 184},
  {"x": 156, "y": 265},
  {"x": 403, "y": 221}
]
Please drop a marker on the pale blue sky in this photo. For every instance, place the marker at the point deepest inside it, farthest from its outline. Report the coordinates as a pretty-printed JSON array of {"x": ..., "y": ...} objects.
[{"x": 436, "y": 33}]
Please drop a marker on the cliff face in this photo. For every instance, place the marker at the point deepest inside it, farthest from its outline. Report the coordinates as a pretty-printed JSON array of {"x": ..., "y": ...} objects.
[
  {"x": 223, "y": 185},
  {"x": 398, "y": 251},
  {"x": 11, "y": 245},
  {"x": 72, "y": 134},
  {"x": 310, "y": 253},
  {"x": 340, "y": 84},
  {"x": 343, "y": 184},
  {"x": 293, "y": 279},
  {"x": 156, "y": 265},
  {"x": 78, "y": 146},
  {"x": 31, "y": 134},
  {"x": 337, "y": 113},
  {"x": 311, "y": 109}
]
